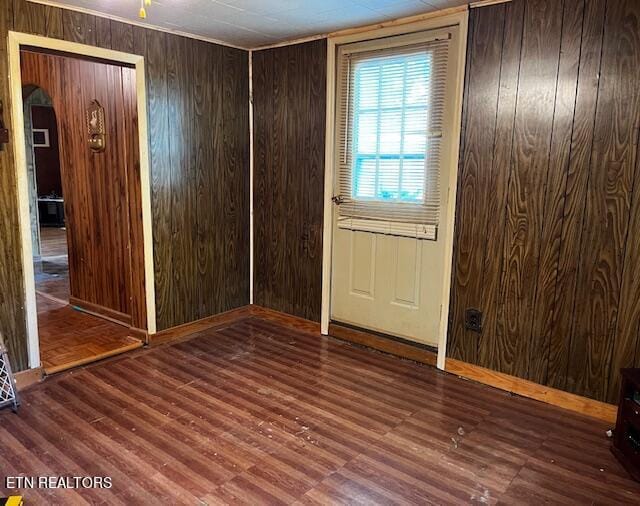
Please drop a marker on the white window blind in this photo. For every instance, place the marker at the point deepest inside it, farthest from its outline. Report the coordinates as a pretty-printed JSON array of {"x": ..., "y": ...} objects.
[{"x": 390, "y": 118}]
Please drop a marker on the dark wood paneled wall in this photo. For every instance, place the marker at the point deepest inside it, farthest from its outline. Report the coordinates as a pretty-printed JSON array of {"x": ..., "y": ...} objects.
[
  {"x": 198, "y": 102},
  {"x": 548, "y": 213},
  {"x": 95, "y": 185},
  {"x": 198, "y": 122},
  {"x": 289, "y": 97}
]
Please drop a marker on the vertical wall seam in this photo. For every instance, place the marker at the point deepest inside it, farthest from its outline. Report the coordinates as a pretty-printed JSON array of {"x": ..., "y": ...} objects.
[{"x": 251, "y": 225}]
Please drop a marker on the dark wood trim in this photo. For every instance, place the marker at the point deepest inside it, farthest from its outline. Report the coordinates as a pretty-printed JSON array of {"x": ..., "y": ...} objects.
[
  {"x": 186, "y": 330},
  {"x": 101, "y": 311},
  {"x": 377, "y": 342},
  {"x": 385, "y": 344},
  {"x": 295, "y": 322},
  {"x": 28, "y": 377},
  {"x": 525, "y": 388},
  {"x": 141, "y": 334}
]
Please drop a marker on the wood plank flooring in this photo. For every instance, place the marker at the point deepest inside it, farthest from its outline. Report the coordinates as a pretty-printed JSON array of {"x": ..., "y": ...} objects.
[
  {"x": 52, "y": 269},
  {"x": 68, "y": 337},
  {"x": 53, "y": 241},
  {"x": 260, "y": 413}
]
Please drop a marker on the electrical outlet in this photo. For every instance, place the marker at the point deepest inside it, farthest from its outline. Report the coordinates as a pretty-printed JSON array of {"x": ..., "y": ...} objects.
[{"x": 473, "y": 320}]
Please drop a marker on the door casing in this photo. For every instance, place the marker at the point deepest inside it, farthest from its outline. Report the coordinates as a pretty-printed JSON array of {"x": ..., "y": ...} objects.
[{"x": 15, "y": 41}]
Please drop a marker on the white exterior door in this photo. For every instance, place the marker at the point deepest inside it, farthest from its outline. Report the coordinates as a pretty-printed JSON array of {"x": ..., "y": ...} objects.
[{"x": 387, "y": 275}]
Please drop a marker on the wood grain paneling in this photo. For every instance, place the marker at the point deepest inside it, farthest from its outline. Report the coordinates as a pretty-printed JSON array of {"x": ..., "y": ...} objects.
[
  {"x": 488, "y": 352},
  {"x": 577, "y": 178},
  {"x": 529, "y": 171},
  {"x": 557, "y": 248},
  {"x": 475, "y": 170},
  {"x": 95, "y": 185},
  {"x": 559, "y": 155},
  {"x": 289, "y": 129},
  {"x": 218, "y": 160},
  {"x": 12, "y": 313},
  {"x": 79, "y": 27},
  {"x": 611, "y": 185}
]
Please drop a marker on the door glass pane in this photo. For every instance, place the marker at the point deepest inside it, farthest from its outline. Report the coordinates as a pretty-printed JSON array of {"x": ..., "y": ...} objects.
[{"x": 390, "y": 99}]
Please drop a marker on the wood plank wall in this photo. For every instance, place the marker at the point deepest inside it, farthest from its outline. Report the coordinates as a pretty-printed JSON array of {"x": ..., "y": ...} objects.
[
  {"x": 95, "y": 185},
  {"x": 289, "y": 98},
  {"x": 548, "y": 212},
  {"x": 198, "y": 120}
]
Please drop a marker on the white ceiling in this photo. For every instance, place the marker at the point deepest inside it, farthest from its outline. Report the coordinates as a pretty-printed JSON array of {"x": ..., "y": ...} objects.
[{"x": 252, "y": 23}]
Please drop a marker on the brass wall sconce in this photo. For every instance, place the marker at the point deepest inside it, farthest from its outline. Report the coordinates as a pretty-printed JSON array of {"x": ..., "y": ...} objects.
[{"x": 96, "y": 127}]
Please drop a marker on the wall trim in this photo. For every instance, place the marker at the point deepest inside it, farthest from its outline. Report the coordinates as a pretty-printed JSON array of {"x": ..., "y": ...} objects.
[
  {"x": 365, "y": 28},
  {"x": 295, "y": 322},
  {"x": 487, "y": 3},
  {"x": 292, "y": 42},
  {"x": 84, "y": 10},
  {"x": 15, "y": 40},
  {"x": 25, "y": 379},
  {"x": 402, "y": 24},
  {"x": 251, "y": 154},
  {"x": 327, "y": 215},
  {"x": 106, "y": 313},
  {"x": 186, "y": 330},
  {"x": 447, "y": 17},
  {"x": 525, "y": 388}
]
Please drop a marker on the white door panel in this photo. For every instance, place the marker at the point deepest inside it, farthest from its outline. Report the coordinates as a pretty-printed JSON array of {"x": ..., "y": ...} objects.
[
  {"x": 362, "y": 267},
  {"x": 390, "y": 284}
]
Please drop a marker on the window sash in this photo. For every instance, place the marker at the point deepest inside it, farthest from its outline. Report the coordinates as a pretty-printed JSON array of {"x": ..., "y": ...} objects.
[{"x": 398, "y": 206}]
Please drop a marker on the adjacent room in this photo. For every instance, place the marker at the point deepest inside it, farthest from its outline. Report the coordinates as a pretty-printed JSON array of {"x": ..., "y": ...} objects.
[{"x": 319, "y": 252}]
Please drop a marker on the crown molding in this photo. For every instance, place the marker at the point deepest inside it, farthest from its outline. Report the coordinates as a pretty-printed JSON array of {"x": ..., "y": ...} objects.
[{"x": 62, "y": 5}]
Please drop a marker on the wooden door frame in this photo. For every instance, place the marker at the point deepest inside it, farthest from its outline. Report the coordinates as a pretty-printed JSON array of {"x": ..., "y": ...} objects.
[
  {"x": 15, "y": 41},
  {"x": 429, "y": 22}
]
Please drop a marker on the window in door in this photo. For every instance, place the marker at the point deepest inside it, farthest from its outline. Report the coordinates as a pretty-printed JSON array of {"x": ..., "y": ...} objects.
[{"x": 391, "y": 107}]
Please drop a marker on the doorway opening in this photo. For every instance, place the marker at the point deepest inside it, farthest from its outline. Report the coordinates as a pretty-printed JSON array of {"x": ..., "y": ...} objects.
[
  {"x": 46, "y": 202},
  {"x": 82, "y": 161}
]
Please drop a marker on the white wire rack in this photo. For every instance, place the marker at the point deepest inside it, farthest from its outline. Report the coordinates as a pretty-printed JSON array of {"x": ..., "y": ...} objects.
[{"x": 8, "y": 391}]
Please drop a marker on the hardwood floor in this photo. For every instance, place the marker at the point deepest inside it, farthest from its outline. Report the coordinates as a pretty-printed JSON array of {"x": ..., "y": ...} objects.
[
  {"x": 53, "y": 241},
  {"x": 68, "y": 337},
  {"x": 52, "y": 269},
  {"x": 260, "y": 413}
]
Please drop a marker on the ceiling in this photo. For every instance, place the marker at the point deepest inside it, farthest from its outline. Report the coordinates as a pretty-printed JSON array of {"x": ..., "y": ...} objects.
[{"x": 253, "y": 23}]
